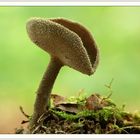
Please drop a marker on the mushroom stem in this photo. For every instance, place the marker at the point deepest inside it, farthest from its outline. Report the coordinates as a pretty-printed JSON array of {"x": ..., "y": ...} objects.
[{"x": 44, "y": 90}]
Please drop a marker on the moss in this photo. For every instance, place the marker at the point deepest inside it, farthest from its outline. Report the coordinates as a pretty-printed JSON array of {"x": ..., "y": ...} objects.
[{"x": 65, "y": 115}]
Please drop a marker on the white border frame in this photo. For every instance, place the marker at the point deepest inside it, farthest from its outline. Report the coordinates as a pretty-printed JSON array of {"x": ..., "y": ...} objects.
[
  {"x": 69, "y": 136},
  {"x": 81, "y": 136},
  {"x": 70, "y": 3}
]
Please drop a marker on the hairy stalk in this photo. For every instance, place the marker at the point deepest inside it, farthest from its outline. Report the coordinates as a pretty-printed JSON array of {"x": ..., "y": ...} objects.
[{"x": 44, "y": 90}]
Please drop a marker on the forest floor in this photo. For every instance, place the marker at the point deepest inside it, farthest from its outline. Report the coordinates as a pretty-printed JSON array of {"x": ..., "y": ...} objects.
[{"x": 84, "y": 115}]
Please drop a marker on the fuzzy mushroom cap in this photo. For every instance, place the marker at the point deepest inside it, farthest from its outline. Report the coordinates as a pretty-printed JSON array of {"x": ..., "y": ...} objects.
[{"x": 67, "y": 41}]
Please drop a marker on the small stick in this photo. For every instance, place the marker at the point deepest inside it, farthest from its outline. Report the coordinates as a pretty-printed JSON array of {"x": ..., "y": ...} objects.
[
  {"x": 110, "y": 84},
  {"x": 21, "y": 109},
  {"x": 123, "y": 129},
  {"x": 109, "y": 87}
]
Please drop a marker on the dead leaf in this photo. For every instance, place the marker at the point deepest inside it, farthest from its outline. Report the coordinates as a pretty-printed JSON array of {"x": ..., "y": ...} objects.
[
  {"x": 69, "y": 107},
  {"x": 93, "y": 102},
  {"x": 96, "y": 102},
  {"x": 57, "y": 99},
  {"x": 63, "y": 104}
]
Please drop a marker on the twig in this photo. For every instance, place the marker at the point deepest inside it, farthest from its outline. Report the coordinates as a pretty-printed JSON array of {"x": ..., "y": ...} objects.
[
  {"x": 123, "y": 129},
  {"x": 109, "y": 87},
  {"x": 23, "y": 122},
  {"x": 110, "y": 84},
  {"x": 36, "y": 129},
  {"x": 21, "y": 109},
  {"x": 130, "y": 127}
]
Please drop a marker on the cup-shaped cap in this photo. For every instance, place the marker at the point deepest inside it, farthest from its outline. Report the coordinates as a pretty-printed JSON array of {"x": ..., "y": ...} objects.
[{"x": 65, "y": 40}]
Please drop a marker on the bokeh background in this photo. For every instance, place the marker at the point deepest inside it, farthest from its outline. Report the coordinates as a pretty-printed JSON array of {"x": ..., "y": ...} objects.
[{"x": 22, "y": 64}]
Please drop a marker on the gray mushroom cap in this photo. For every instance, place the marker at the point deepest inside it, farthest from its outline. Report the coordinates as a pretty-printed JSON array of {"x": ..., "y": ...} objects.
[{"x": 67, "y": 41}]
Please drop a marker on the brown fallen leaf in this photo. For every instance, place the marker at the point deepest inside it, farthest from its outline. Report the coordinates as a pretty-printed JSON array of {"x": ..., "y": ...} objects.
[
  {"x": 96, "y": 102},
  {"x": 57, "y": 99},
  {"x": 69, "y": 107},
  {"x": 63, "y": 104},
  {"x": 93, "y": 102}
]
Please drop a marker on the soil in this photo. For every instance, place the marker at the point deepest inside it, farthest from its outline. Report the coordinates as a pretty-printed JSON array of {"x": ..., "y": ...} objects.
[{"x": 92, "y": 115}]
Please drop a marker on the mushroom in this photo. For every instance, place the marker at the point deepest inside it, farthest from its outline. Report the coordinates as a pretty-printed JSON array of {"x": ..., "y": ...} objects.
[{"x": 69, "y": 44}]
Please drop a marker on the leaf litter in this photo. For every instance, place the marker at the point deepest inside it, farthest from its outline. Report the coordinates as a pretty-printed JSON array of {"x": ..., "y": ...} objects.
[{"x": 84, "y": 115}]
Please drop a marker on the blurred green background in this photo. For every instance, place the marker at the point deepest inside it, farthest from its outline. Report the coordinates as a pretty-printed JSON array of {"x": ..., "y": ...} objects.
[{"x": 22, "y": 64}]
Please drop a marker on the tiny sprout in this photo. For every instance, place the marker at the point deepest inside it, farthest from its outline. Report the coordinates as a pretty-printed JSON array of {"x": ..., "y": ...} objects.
[{"x": 69, "y": 44}]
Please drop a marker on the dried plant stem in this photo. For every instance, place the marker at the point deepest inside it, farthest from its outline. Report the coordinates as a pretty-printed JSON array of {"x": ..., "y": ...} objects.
[
  {"x": 22, "y": 111},
  {"x": 123, "y": 129},
  {"x": 44, "y": 90}
]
